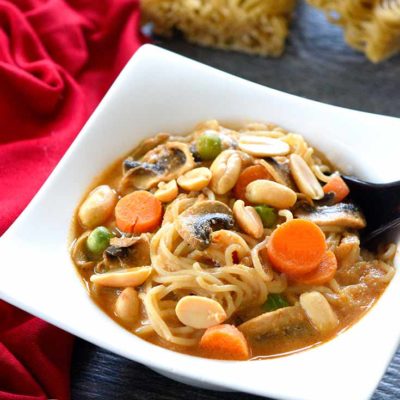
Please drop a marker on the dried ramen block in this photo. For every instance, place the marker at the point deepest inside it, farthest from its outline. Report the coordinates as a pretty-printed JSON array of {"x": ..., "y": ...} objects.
[
  {"x": 252, "y": 26},
  {"x": 371, "y": 26}
]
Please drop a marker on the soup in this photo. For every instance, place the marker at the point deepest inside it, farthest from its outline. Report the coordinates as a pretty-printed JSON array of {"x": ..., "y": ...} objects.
[{"x": 227, "y": 243}]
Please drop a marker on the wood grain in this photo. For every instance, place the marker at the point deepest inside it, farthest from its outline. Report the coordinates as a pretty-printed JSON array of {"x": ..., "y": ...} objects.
[{"x": 317, "y": 65}]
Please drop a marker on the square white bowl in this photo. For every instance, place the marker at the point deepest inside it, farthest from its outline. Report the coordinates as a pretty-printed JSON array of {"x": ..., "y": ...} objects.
[{"x": 161, "y": 91}]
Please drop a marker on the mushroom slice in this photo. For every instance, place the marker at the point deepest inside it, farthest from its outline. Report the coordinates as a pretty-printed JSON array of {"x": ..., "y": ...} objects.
[
  {"x": 127, "y": 252},
  {"x": 280, "y": 171},
  {"x": 344, "y": 215},
  {"x": 123, "y": 277},
  {"x": 196, "y": 223},
  {"x": 319, "y": 312},
  {"x": 79, "y": 252},
  {"x": 149, "y": 144},
  {"x": 164, "y": 163},
  {"x": 284, "y": 321}
]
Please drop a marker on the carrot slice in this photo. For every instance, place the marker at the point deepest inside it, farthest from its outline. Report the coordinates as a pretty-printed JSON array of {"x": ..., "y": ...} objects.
[
  {"x": 138, "y": 212},
  {"x": 338, "y": 187},
  {"x": 324, "y": 273},
  {"x": 296, "y": 247},
  {"x": 225, "y": 342},
  {"x": 249, "y": 175}
]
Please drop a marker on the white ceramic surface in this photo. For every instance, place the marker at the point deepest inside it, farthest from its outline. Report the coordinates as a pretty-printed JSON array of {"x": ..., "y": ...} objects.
[{"x": 161, "y": 91}]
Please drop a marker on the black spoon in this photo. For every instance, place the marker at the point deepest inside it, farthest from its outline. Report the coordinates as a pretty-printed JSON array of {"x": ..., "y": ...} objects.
[{"x": 380, "y": 203}]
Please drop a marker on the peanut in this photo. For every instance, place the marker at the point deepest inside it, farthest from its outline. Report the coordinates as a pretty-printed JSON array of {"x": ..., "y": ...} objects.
[
  {"x": 98, "y": 206},
  {"x": 267, "y": 192},
  {"x": 195, "y": 180},
  {"x": 263, "y": 146},
  {"x": 225, "y": 171},
  {"x": 248, "y": 219},
  {"x": 305, "y": 178},
  {"x": 167, "y": 191},
  {"x": 127, "y": 306},
  {"x": 318, "y": 311},
  {"x": 199, "y": 312},
  {"x": 123, "y": 277}
]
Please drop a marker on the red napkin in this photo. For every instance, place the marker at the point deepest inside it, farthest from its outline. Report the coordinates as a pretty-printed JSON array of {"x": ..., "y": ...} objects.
[{"x": 57, "y": 60}]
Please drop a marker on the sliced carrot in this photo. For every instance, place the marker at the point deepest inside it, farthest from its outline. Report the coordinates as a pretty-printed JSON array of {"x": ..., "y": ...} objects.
[
  {"x": 138, "y": 212},
  {"x": 338, "y": 187},
  {"x": 296, "y": 247},
  {"x": 249, "y": 175},
  {"x": 324, "y": 273},
  {"x": 225, "y": 342}
]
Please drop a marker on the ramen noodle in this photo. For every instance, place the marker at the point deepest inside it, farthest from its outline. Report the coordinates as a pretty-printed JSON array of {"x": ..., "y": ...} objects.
[
  {"x": 227, "y": 243},
  {"x": 371, "y": 26},
  {"x": 252, "y": 26}
]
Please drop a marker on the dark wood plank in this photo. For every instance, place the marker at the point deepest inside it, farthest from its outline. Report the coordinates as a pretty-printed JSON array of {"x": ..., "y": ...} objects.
[{"x": 317, "y": 65}]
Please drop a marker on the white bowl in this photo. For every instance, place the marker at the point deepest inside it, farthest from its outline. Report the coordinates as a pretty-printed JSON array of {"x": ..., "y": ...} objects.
[{"x": 161, "y": 91}]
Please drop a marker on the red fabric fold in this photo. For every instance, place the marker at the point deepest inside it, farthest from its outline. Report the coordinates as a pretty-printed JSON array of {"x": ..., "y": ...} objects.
[{"x": 57, "y": 60}]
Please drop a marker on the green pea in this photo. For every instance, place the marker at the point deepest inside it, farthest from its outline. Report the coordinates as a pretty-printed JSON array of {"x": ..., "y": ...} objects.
[
  {"x": 208, "y": 146},
  {"x": 268, "y": 215},
  {"x": 98, "y": 240},
  {"x": 274, "y": 302}
]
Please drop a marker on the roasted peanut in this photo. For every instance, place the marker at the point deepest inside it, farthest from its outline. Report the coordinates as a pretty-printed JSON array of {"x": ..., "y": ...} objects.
[
  {"x": 318, "y": 311},
  {"x": 127, "y": 306},
  {"x": 98, "y": 206},
  {"x": 305, "y": 178},
  {"x": 225, "y": 171},
  {"x": 167, "y": 191},
  {"x": 248, "y": 219},
  {"x": 123, "y": 277},
  {"x": 263, "y": 146},
  {"x": 273, "y": 194},
  {"x": 195, "y": 180},
  {"x": 199, "y": 312}
]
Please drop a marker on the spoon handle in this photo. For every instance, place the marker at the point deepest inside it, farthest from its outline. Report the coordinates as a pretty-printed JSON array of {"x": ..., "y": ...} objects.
[{"x": 372, "y": 238}]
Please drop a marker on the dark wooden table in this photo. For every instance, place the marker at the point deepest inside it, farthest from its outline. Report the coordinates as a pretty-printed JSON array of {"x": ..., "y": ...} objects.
[{"x": 317, "y": 65}]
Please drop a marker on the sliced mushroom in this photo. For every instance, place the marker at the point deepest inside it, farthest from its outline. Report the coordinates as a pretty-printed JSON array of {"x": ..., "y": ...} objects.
[
  {"x": 163, "y": 163},
  {"x": 196, "y": 224},
  {"x": 126, "y": 252},
  {"x": 348, "y": 251},
  {"x": 123, "y": 277},
  {"x": 149, "y": 144},
  {"x": 344, "y": 215},
  {"x": 319, "y": 312},
  {"x": 79, "y": 252},
  {"x": 280, "y": 171},
  {"x": 327, "y": 200},
  {"x": 286, "y": 321}
]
